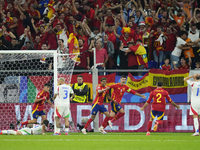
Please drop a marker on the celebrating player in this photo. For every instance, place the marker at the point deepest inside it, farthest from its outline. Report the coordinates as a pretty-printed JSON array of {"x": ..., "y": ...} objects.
[
  {"x": 38, "y": 106},
  {"x": 97, "y": 105},
  {"x": 195, "y": 97},
  {"x": 62, "y": 105},
  {"x": 117, "y": 110},
  {"x": 36, "y": 130},
  {"x": 158, "y": 106}
]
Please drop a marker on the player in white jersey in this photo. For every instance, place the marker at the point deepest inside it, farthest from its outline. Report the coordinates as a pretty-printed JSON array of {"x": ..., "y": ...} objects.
[
  {"x": 195, "y": 100},
  {"x": 62, "y": 105},
  {"x": 36, "y": 130}
]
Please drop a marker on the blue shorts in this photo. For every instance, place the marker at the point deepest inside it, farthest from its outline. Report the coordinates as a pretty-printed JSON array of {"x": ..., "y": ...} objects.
[
  {"x": 96, "y": 108},
  {"x": 159, "y": 114},
  {"x": 115, "y": 108},
  {"x": 36, "y": 114}
]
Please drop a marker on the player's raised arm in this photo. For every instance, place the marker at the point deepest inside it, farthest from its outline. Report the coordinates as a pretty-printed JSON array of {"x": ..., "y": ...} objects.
[
  {"x": 39, "y": 99},
  {"x": 187, "y": 78}
]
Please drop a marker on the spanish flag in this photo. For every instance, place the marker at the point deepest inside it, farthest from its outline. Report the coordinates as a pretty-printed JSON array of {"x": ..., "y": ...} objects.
[
  {"x": 74, "y": 47},
  {"x": 140, "y": 52},
  {"x": 51, "y": 9}
]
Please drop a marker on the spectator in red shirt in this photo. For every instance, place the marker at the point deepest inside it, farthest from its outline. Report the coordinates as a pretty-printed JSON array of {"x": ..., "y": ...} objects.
[
  {"x": 35, "y": 14},
  {"x": 38, "y": 44},
  {"x": 17, "y": 26},
  {"x": 170, "y": 42},
  {"x": 84, "y": 57},
  {"x": 108, "y": 29},
  {"x": 132, "y": 19},
  {"x": 101, "y": 54},
  {"x": 50, "y": 37},
  {"x": 138, "y": 34},
  {"x": 89, "y": 15},
  {"x": 184, "y": 64},
  {"x": 109, "y": 18},
  {"x": 166, "y": 66}
]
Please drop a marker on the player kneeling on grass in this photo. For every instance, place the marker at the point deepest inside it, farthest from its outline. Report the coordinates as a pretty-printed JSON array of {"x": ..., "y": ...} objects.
[
  {"x": 195, "y": 103},
  {"x": 36, "y": 130},
  {"x": 158, "y": 106},
  {"x": 97, "y": 105},
  {"x": 38, "y": 106},
  {"x": 62, "y": 105}
]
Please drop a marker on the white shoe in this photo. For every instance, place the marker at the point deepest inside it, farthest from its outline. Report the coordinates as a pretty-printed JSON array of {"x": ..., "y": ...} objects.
[
  {"x": 195, "y": 134},
  {"x": 102, "y": 130},
  {"x": 110, "y": 124},
  {"x": 84, "y": 131}
]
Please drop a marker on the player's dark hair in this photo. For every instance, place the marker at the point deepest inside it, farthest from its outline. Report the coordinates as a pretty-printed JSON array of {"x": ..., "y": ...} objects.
[
  {"x": 159, "y": 83},
  {"x": 103, "y": 79},
  {"x": 46, "y": 123},
  {"x": 197, "y": 63},
  {"x": 123, "y": 76},
  {"x": 9, "y": 87},
  {"x": 80, "y": 76},
  {"x": 139, "y": 40},
  {"x": 47, "y": 84}
]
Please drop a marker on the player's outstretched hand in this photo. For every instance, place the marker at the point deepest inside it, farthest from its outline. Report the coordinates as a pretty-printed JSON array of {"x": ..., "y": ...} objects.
[
  {"x": 107, "y": 88},
  {"x": 115, "y": 102},
  {"x": 44, "y": 98},
  {"x": 142, "y": 108},
  {"x": 143, "y": 96},
  {"x": 52, "y": 106},
  {"x": 178, "y": 107}
]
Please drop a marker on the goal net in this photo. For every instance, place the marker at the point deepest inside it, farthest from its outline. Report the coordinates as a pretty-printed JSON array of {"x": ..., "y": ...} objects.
[{"x": 22, "y": 75}]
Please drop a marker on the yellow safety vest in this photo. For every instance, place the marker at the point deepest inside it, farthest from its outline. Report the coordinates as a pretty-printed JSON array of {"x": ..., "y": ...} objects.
[{"x": 79, "y": 99}]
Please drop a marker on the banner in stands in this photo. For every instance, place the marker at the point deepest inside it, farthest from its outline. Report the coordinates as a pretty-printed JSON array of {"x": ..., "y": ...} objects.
[
  {"x": 172, "y": 81},
  {"x": 134, "y": 120}
]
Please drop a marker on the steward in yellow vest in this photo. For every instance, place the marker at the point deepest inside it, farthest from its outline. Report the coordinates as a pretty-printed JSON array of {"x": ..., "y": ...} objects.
[{"x": 80, "y": 90}]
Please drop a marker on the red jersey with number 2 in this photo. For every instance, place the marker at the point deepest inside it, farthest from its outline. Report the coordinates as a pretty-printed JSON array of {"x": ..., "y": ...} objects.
[
  {"x": 39, "y": 106},
  {"x": 159, "y": 102},
  {"x": 100, "y": 96},
  {"x": 119, "y": 91}
]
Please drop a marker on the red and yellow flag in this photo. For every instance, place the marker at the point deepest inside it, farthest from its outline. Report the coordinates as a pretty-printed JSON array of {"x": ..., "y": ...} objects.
[
  {"x": 51, "y": 9},
  {"x": 74, "y": 47},
  {"x": 172, "y": 81},
  {"x": 140, "y": 50}
]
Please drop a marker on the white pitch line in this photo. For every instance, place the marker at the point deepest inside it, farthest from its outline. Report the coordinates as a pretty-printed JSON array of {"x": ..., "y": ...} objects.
[{"x": 94, "y": 140}]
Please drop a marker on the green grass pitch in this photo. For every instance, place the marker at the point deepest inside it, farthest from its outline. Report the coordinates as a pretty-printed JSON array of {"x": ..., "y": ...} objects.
[{"x": 98, "y": 141}]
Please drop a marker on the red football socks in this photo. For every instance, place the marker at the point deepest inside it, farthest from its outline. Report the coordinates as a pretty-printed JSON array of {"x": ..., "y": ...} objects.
[
  {"x": 149, "y": 125},
  {"x": 159, "y": 121},
  {"x": 105, "y": 122},
  {"x": 119, "y": 115},
  {"x": 88, "y": 123},
  {"x": 25, "y": 123}
]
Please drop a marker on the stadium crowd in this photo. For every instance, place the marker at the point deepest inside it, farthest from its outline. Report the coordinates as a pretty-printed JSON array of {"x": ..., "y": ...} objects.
[{"x": 169, "y": 30}]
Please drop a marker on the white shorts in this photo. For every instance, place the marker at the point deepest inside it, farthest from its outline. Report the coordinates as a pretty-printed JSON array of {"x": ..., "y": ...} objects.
[
  {"x": 25, "y": 131},
  {"x": 62, "y": 111},
  {"x": 195, "y": 109}
]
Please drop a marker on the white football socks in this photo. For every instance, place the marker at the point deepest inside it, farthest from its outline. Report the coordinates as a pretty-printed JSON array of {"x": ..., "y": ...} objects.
[
  {"x": 67, "y": 130},
  {"x": 9, "y": 132},
  {"x": 196, "y": 124}
]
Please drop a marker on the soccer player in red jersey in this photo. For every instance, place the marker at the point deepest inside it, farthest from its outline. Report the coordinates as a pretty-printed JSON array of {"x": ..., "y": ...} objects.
[
  {"x": 97, "y": 105},
  {"x": 38, "y": 106},
  {"x": 158, "y": 106},
  {"x": 119, "y": 89}
]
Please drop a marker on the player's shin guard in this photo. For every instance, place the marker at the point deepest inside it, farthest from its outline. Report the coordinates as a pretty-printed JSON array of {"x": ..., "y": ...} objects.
[
  {"x": 119, "y": 115},
  {"x": 105, "y": 122},
  {"x": 88, "y": 123},
  {"x": 196, "y": 124},
  {"x": 149, "y": 125},
  {"x": 9, "y": 132}
]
